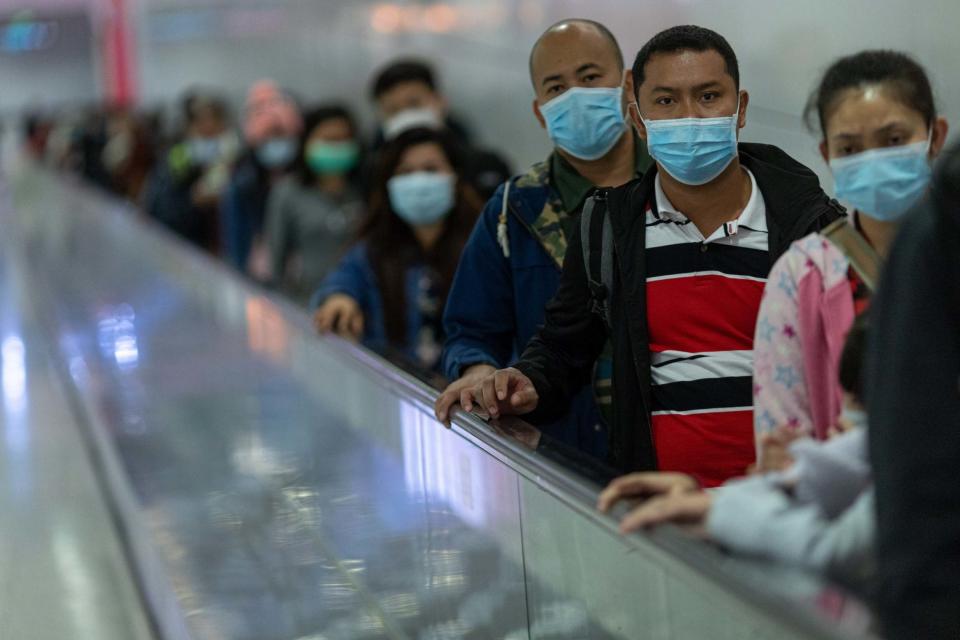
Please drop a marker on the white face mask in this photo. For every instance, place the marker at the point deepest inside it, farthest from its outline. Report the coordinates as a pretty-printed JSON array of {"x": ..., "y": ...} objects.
[{"x": 407, "y": 119}]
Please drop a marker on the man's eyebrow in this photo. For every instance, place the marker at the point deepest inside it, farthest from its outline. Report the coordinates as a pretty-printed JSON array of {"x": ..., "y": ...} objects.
[
  {"x": 584, "y": 67},
  {"x": 707, "y": 85},
  {"x": 699, "y": 87},
  {"x": 889, "y": 127},
  {"x": 553, "y": 78}
]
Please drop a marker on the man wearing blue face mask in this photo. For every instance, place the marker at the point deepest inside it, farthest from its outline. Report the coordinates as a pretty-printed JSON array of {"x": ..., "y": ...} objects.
[
  {"x": 511, "y": 265},
  {"x": 671, "y": 268}
]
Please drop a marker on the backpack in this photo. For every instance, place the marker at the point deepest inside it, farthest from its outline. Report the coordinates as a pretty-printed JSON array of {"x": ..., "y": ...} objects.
[{"x": 596, "y": 231}]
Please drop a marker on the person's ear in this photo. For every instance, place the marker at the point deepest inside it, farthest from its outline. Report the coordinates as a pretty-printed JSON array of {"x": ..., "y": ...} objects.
[
  {"x": 538, "y": 115},
  {"x": 633, "y": 109},
  {"x": 742, "y": 113},
  {"x": 824, "y": 151},
  {"x": 628, "y": 94},
  {"x": 939, "y": 136},
  {"x": 633, "y": 114}
]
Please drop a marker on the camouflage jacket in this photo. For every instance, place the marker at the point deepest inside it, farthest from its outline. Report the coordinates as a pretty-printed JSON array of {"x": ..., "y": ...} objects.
[{"x": 509, "y": 271}]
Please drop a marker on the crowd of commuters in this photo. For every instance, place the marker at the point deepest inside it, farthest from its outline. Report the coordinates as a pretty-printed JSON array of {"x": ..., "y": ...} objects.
[{"x": 693, "y": 311}]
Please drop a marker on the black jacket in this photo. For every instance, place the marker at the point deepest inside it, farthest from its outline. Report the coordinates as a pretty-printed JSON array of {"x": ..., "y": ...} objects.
[
  {"x": 558, "y": 359},
  {"x": 913, "y": 396}
]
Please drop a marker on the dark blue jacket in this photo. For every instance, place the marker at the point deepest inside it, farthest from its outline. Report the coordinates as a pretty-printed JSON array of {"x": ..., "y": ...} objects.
[
  {"x": 497, "y": 303},
  {"x": 243, "y": 209},
  {"x": 355, "y": 277}
]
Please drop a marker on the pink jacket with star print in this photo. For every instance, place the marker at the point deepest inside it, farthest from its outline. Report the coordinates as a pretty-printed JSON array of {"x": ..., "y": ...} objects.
[{"x": 806, "y": 312}]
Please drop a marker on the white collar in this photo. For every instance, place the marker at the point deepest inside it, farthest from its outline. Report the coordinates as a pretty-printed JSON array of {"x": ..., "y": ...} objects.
[{"x": 753, "y": 216}]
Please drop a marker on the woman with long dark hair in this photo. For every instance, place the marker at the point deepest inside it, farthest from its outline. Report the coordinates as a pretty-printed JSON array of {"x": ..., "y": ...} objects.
[
  {"x": 390, "y": 289},
  {"x": 313, "y": 213}
]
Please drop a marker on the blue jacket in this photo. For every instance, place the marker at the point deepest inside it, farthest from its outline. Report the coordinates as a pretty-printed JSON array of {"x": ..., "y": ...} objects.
[
  {"x": 496, "y": 304},
  {"x": 355, "y": 277},
  {"x": 243, "y": 209}
]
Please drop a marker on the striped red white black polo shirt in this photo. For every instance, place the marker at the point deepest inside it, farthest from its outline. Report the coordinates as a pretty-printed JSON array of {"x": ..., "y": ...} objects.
[{"x": 703, "y": 295}]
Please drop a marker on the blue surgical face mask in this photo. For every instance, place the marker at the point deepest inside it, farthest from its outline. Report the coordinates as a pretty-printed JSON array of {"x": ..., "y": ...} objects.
[
  {"x": 422, "y": 198},
  {"x": 275, "y": 153},
  {"x": 883, "y": 183},
  {"x": 693, "y": 151},
  {"x": 585, "y": 122}
]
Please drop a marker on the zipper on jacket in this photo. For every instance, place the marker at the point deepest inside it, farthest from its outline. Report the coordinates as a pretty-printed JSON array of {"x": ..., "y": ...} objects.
[{"x": 636, "y": 363}]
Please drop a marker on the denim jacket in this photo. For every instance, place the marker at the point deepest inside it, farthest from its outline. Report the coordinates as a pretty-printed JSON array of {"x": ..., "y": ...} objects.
[
  {"x": 354, "y": 276},
  {"x": 497, "y": 302}
]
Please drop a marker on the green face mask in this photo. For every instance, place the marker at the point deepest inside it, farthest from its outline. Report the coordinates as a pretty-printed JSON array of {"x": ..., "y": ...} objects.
[{"x": 325, "y": 158}]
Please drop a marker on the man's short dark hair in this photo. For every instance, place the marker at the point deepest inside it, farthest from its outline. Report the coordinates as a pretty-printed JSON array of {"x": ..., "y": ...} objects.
[
  {"x": 601, "y": 29},
  {"x": 685, "y": 37},
  {"x": 196, "y": 100},
  {"x": 401, "y": 71}
]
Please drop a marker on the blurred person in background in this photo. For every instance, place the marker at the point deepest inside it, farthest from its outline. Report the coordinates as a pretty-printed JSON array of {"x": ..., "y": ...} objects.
[
  {"x": 407, "y": 95},
  {"x": 313, "y": 213},
  {"x": 127, "y": 154},
  {"x": 63, "y": 142},
  {"x": 36, "y": 131},
  {"x": 76, "y": 142},
  {"x": 89, "y": 140},
  {"x": 185, "y": 189},
  {"x": 271, "y": 129},
  {"x": 389, "y": 291},
  {"x": 511, "y": 266}
]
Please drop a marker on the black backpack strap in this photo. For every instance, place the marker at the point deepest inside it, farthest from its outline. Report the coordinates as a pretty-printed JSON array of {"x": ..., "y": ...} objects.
[
  {"x": 586, "y": 219},
  {"x": 596, "y": 237}
]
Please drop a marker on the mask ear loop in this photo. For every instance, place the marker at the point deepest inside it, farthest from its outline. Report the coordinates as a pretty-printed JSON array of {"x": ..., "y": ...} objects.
[
  {"x": 736, "y": 117},
  {"x": 636, "y": 105}
]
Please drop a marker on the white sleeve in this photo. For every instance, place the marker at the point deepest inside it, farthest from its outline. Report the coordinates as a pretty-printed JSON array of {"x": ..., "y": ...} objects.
[
  {"x": 831, "y": 474},
  {"x": 755, "y": 517}
]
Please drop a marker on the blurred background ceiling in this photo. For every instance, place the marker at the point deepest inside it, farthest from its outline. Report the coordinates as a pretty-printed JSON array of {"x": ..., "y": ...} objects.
[{"x": 55, "y": 53}]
